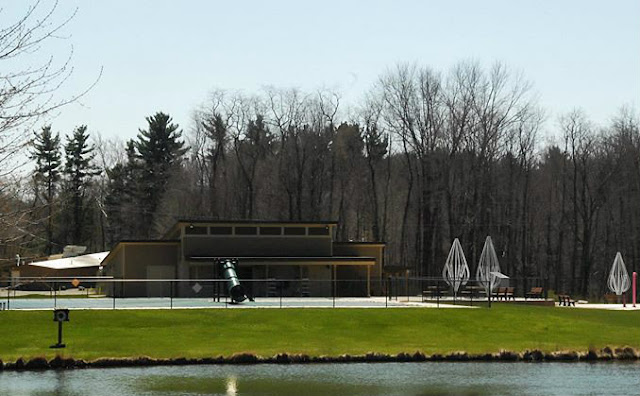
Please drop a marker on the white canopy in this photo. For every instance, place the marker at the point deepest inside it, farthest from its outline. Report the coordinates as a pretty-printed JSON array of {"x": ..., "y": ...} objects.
[
  {"x": 87, "y": 260},
  {"x": 456, "y": 270},
  {"x": 499, "y": 275},
  {"x": 619, "y": 277},
  {"x": 488, "y": 266}
]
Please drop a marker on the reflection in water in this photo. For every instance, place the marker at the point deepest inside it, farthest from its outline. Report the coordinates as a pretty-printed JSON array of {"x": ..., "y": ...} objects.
[
  {"x": 61, "y": 385},
  {"x": 416, "y": 379},
  {"x": 232, "y": 386}
]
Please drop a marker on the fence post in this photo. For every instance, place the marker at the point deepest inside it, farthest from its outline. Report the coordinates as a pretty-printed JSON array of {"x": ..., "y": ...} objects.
[
  {"x": 55, "y": 295},
  {"x": 406, "y": 285},
  {"x": 334, "y": 291},
  {"x": 280, "y": 287},
  {"x": 113, "y": 292},
  {"x": 171, "y": 287},
  {"x": 386, "y": 293}
]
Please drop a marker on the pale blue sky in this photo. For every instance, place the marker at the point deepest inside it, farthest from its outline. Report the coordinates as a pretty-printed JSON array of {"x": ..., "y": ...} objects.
[{"x": 168, "y": 55}]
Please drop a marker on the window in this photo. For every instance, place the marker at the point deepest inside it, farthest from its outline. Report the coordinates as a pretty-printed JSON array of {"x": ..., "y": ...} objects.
[
  {"x": 220, "y": 230},
  {"x": 246, "y": 230},
  {"x": 318, "y": 230},
  {"x": 295, "y": 231},
  {"x": 270, "y": 231},
  {"x": 195, "y": 230}
]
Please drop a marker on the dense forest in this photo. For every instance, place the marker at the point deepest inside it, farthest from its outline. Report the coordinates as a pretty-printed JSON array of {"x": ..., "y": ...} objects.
[{"x": 425, "y": 157}]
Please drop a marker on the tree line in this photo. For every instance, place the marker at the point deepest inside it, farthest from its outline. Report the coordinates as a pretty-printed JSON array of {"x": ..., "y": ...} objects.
[{"x": 425, "y": 157}]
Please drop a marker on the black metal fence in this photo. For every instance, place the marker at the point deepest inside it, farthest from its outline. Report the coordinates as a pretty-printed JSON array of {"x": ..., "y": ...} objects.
[{"x": 394, "y": 291}]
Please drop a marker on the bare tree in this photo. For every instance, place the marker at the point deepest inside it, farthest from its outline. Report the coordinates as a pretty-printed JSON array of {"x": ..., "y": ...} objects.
[{"x": 29, "y": 78}]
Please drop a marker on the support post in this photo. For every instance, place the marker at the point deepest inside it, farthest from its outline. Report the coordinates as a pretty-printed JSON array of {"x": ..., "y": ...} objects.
[
  {"x": 386, "y": 292},
  {"x": 171, "y": 286},
  {"x": 59, "y": 333},
  {"x": 406, "y": 283},
  {"x": 437, "y": 294},
  {"x": 635, "y": 277}
]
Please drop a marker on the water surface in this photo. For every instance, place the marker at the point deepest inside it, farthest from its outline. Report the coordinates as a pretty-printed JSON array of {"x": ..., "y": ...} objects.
[{"x": 419, "y": 379}]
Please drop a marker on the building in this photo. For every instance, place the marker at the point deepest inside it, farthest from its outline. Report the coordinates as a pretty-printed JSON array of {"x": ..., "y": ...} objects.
[
  {"x": 58, "y": 266},
  {"x": 300, "y": 258}
]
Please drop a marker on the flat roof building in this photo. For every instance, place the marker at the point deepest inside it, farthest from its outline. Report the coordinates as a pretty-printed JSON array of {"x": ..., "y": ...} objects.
[{"x": 302, "y": 255}]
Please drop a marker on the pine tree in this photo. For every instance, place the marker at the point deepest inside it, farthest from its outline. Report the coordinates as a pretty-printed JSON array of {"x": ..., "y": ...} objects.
[
  {"x": 159, "y": 149},
  {"x": 46, "y": 153},
  {"x": 121, "y": 201},
  {"x": 78, "y": 171}
]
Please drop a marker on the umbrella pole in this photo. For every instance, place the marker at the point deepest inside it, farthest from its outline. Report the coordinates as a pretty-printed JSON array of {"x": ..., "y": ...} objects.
[{"x": 635, "y": 276}]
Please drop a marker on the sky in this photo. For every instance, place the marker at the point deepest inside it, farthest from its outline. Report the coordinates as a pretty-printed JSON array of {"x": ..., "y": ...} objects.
[{"x": 169, "y": 55}]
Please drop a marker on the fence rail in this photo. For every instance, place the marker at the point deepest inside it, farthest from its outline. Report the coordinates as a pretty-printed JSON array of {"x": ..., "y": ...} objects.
[{"x": 112, "y": 293}]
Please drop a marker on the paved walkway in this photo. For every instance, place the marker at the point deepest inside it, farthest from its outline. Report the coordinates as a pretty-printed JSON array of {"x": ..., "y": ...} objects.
[
  {"x": 200, "y": 303},
  {"x": 612, "y": 307}
]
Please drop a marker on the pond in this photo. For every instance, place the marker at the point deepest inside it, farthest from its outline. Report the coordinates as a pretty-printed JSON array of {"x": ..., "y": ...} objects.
[{"x": 419, "y": 379}]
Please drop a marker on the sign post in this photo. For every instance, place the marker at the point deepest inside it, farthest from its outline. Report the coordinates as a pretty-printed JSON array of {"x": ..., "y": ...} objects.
[{"x": 60, "y": 315}]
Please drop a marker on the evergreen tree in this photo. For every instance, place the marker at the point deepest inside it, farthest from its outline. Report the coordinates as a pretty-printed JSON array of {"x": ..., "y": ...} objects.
[
  {"x": 46, "y": 153},
  {"x": 78, "y": 171},
  {"x": 159, "y": 149},
  {"x": 123, "y": 217}
]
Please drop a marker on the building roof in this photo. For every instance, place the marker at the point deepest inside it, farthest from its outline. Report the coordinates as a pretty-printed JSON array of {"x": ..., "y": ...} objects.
[
  {"x": 171, "y": 232},
  {"x": 355, "y": 243},
  {"x": 86, "y": 260},
  {"x": 245, "y": 221}
]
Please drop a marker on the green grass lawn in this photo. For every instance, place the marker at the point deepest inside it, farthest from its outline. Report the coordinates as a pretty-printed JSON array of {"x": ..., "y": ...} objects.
[{"x": 213, "y": 332}]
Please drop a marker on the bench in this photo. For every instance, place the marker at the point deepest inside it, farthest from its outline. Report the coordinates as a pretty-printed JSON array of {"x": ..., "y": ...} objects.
[
  {"x": 504, "y": 293},
  {"x": 499, "y": 294},
  {"x": 535, "y": 292},
  {"x": 565, "y": 300},
  {"x": 471, "y": 291},
  {"x": 509, "y": 294},
  {"x": 431, "y": 293}
]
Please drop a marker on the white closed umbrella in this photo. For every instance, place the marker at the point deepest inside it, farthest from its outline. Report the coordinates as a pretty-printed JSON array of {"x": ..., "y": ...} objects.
[
  {"x": 618, "y": 276},
  {"x": 456, "y": 271},
  {"x": 487, "y": 265}
]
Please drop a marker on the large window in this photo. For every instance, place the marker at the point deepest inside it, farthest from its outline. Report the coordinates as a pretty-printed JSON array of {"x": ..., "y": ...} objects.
[
  {"x": 220, "y": 230},
  {"x": 318, "y": 230},
  {"x": 295, "y": 231},
  {"x": 246, "y": 230},
  {"x": 200, "y": 271},
  {"x": 270, "y": 231},
  {"x": 196, "y": 230}
]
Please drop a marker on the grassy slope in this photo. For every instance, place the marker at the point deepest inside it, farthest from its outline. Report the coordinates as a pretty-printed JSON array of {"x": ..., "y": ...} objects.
[{"x": 205, "y": 333}]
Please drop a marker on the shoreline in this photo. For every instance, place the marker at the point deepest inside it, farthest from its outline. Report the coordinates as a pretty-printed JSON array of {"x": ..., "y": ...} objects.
[{"x": 537, "y": 356}]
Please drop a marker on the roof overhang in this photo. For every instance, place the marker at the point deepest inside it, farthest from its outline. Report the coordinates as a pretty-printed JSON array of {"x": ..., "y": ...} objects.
[
  {"x": 84, "y": 261},
  {"x": 310, "y": 261}
]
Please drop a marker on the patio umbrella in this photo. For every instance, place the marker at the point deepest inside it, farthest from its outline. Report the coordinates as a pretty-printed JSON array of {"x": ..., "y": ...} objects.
[
  {"x": 456, "y": 270},
  {"x": 488, "y": 264},
  {"x": 619, "y": 277}
]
